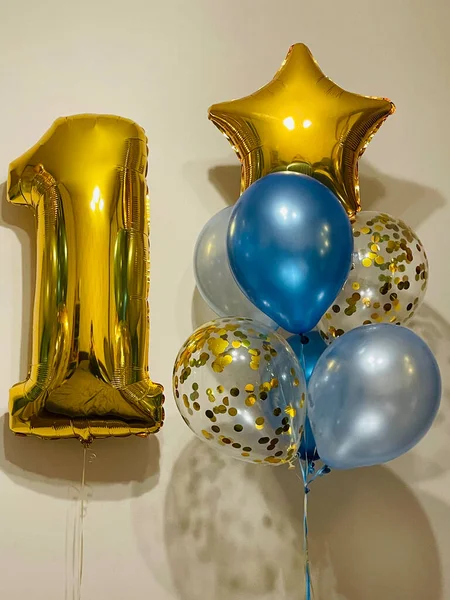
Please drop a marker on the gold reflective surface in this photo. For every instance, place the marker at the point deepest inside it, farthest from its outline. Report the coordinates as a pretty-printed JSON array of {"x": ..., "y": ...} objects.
[
  {"x": 85, "y": 182},
  {"x": 302, "y": 121}
]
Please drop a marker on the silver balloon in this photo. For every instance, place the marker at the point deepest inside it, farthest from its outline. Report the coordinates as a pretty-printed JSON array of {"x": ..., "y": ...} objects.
[
  {"x": 373, "y": 395},
  {"x": 213, "y": 276}
]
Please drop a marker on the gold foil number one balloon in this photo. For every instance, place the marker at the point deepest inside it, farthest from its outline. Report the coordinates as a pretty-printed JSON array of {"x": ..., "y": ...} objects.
[{"x": 85, "y": 182}]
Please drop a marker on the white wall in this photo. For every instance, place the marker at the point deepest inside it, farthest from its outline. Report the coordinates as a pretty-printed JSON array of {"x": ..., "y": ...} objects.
[{"x": 168, "y": 518}]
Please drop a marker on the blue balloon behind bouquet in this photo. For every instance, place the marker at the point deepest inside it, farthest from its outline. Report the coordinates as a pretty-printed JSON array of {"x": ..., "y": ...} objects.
[
  {"x": 308, "y": 348},
  {"x": 373, "y": 395},
  {"x": 290, "y": 247}
]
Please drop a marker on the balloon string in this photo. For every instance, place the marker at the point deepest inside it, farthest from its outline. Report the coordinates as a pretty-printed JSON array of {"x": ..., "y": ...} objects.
[
  {"x": 309, "y": 474},
  {"x": 77, "y": 546},
  {"x": 81, "y": 526},
  {"x": 307, "y": 566}
]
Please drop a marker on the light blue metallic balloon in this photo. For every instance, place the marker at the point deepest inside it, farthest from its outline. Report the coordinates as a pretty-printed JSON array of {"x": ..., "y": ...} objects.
[
  {"x": 290, "y": 248},
  {"x": 215, "y": 282},
  {"x": 373, "y": 395},
  {"x": 308, "y": 348}
]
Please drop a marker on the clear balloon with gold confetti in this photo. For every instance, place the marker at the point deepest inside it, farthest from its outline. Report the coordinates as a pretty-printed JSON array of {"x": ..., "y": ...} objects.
[
  {"x": 388, "y": 279},
  {"x": 239, "y": 386}
]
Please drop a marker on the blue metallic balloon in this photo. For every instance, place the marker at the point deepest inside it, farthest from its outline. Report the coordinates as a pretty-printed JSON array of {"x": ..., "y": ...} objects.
[
  {"x": 308, "y": 348},
  {"x": 290, "y": 248},
  {"x": 373, "y": 395}
]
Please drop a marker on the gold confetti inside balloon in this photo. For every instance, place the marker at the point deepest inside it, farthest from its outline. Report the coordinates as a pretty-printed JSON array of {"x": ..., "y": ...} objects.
[
  {"x": 239, "y": 386},
  {"x": 388, "y": 280},
  {"x": 85, "y": 182},
  {"x": 302, "y": 121}
]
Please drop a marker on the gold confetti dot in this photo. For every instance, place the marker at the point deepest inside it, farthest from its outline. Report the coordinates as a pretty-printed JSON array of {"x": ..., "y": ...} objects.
[
  {"x": 217, "y": 345},
  {"x": 249, "y": 387},
  {"x": 378, "y": 228},
  {"x": 208, "y": 436},
  {"x": 375, "y": 247},
  {"x": 379, "y": 260},
  {"x": 274, "y": 382},
  {"x": 366, "y": 262},
  {"x": 234, "y": 392},
  {"x": 196, "y": 406},
  {"x": 238, "y": 427},
  {"x": 232, "y": 411},
  {"x": 290, "y": 410},
  {"x": 250, "y": 400},
  {"x": 259, "y": 423},
  {"x": 220, "y": 389},
  {"x": 365, "y": 230},
  {"x": 355, "y": 285},
  {"x": 296, "y": 382},
  {"x": 245, "y": 454},
  {"x": 254, "y": 363},
  {"x": 302, "y": 400},
  {"x": 366, "y": 301},
  {"x": 236, "y": 344},
  {"x": 221, "y": 362}
]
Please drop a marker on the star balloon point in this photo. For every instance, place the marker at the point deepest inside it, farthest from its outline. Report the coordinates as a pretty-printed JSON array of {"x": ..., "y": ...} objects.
[{"x": 302, "y": 121}]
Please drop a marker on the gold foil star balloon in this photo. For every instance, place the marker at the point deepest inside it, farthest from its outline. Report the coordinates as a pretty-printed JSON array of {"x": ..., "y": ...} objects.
[{"x": 302, "y": 121}]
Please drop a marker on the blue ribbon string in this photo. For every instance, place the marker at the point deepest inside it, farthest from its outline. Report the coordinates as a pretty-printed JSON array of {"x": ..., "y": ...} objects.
[{"x": 309, "y": 474}]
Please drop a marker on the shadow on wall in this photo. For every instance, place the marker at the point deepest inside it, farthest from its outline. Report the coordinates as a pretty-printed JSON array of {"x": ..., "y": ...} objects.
[
  {"x": 121, "y": 468},
  {"x": 400, "y": 198},
  {"x": 433, "y": 458},
  {"x": 235, "y": 530},
  {"x": 20, "y": 219}
]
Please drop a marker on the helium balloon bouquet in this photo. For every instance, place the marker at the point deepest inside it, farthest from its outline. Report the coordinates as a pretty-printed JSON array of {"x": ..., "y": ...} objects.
[{"x": 296, "y": 252}]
